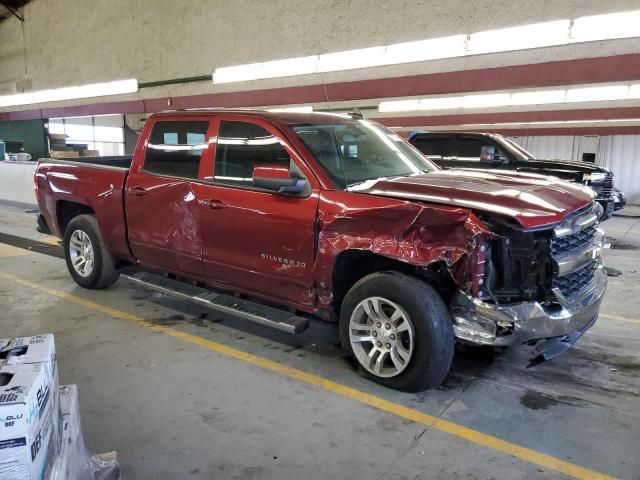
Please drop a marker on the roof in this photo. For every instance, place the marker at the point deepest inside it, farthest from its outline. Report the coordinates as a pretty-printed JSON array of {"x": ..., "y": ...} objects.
[{"x": 285, "y": 117}]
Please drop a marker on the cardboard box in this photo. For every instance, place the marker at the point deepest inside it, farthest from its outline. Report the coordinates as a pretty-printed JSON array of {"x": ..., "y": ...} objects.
[
  {"x": 28, "y": 444},
  {"x": 35, "y": 350},
  {"x": 63, "y": 154},
  {"x": 30, "y": 432}
]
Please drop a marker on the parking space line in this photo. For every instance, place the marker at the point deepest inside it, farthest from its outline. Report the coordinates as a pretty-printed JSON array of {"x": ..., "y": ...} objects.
[
  {"x": 11, "y": 251},
  {"x": 621, "y": 319},
  {"x": 473, "y": 436}
]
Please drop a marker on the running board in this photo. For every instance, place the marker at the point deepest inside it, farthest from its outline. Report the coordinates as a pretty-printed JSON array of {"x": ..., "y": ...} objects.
[{"x": 223, "y": 303}]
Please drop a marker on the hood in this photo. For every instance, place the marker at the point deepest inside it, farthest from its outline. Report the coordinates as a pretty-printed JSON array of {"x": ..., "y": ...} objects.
[
  {"x": 566, "y": 165},
  {"x": 532, "y": 200}
]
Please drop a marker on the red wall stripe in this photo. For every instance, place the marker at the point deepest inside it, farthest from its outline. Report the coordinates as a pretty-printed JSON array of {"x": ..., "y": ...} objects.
[{"x": 566, "y": 72}]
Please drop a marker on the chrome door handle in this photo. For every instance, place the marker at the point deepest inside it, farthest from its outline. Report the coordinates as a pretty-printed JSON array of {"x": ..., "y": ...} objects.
[{"x": 138, "y": 191}]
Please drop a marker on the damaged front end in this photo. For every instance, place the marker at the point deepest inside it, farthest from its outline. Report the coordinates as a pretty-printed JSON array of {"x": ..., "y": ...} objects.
[{"x": 538, "y": 285}]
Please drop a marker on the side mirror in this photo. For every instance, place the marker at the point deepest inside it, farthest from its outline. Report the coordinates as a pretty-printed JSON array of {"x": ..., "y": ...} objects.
[
  {"x": 278, "y": 179},
  {"x": 488, "y": 153}
]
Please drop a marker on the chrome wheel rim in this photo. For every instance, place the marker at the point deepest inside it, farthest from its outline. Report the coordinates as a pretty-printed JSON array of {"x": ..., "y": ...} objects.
[
  {"x": 81, "y": 253},
  {"x": 381, "y": 336}
]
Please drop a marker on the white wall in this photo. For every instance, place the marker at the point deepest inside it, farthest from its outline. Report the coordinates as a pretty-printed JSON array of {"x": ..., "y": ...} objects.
[
  {"x": 620, "y": 153},
  {"x": 16, "y": 181},
  {"x": 70, "y": 42}
]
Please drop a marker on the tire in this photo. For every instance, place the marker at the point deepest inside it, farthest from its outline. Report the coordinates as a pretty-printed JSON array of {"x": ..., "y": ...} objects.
[
  {"x": 429, "y": 323},
  {"x": 102, "y": 271}
]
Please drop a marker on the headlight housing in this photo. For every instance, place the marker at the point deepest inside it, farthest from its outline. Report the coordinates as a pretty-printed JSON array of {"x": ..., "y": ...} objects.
[{"x": 593, "y": 177}]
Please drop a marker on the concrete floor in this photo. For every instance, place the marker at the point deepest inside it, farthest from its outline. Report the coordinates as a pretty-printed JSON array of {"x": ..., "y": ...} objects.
[{"x": 175, "y": 410}]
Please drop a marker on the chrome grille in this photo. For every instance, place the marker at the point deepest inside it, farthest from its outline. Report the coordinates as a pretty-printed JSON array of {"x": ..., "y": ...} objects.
[
  {"x": 571, "y": 285},
  {"x": 573, "y": 243},
  {"x": 607, "y": 187}
]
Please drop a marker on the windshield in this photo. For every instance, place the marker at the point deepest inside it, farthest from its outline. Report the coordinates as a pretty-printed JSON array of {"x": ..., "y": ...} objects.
[
  {"x": 358, "y": 151},
  {"x": 519, "y": 149}
]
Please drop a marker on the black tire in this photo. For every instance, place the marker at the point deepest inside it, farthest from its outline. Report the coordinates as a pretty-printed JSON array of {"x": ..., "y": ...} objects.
[
  {"x": 434, "y": 340},
  {"x": 104, "y": 272}
]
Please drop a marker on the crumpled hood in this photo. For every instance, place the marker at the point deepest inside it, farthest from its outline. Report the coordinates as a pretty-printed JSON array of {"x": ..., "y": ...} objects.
[{"x": 533, "y": 200}]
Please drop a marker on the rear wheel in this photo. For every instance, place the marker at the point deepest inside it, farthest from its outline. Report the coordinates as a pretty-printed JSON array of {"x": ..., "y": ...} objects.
[
  {"x": 89, "y": 262},
  {"x": 399, "y": 331}
]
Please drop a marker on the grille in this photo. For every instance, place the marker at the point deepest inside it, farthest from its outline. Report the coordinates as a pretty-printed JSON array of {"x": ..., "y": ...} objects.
[
  {"x": 573, "y": 243},
  {"x": 607, "y": 187},
  {"x": 571, "y": 285}
]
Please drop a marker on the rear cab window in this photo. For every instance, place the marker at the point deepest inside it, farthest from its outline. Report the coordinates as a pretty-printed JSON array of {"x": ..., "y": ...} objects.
[
  {"x": 436, "y": 146},
  {"x": 175, "y": 148}
]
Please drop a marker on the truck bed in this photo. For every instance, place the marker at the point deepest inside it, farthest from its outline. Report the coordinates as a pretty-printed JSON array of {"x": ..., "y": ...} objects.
[
  {"x": 88, "y": 185},
  {"x": 120, "y": 161}
]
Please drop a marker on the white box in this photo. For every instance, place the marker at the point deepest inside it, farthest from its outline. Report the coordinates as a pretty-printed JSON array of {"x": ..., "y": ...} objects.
[
  {"x": 28, "y": 444},
  {"x": 38, "y": 349}
]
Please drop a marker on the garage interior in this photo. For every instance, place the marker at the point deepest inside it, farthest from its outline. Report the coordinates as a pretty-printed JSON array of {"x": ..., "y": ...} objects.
[{"x": 181, "y": 391}]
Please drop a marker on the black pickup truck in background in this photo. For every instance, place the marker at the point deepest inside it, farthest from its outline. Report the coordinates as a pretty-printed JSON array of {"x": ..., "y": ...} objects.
[{"x": 490, "y": 151}]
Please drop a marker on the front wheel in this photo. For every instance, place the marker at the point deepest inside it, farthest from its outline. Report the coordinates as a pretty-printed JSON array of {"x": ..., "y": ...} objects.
[
  {"x": 88, "y": 260},
  {"x": 399, "y": 331}
]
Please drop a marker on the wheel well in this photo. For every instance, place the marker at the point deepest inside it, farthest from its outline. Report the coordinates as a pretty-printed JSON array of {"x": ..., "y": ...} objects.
[
  {"x": 66, "y": 211},
  {"x": 352, "y": 265}
]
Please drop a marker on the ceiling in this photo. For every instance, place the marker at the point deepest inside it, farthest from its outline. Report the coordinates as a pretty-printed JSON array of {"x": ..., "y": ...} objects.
[{"x": 6, "y": 7}]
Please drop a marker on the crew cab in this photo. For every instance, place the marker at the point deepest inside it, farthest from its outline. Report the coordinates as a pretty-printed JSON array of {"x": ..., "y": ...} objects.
[
  {"x": 491, "y": 151},
  {"x": 280, "y": 217}
]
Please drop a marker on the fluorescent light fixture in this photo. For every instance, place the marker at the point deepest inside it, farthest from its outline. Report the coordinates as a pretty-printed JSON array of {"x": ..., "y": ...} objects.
[
  {"x": 551, "y": 123},
  {"x": 517, "y": 98},
  {"x": 596, "y": 94},
  {"x": 301, "y": 109},
  {"x": 290, "y": 67},
  {"x": 634, "y": 91},
  {"x": 434, "y": 48},
  {"x": 520, "y": 38},
  {"x": 117, "y": 87},
  {"x": 238, "y": 73},
  {"x": 441, "y": 103},
  {"x": 606, "y": 27},
  {"x": 540, "y": 97},
  {"x": 486, "y": 100},
  {"x": 399, "y": 106},
  {"x": 349, "y": 59}
]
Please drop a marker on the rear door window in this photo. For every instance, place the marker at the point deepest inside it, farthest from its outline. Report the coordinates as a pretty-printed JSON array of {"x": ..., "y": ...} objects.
[
  {"x": 175, "y": 148},
  {"x": 242, "y": 146}
]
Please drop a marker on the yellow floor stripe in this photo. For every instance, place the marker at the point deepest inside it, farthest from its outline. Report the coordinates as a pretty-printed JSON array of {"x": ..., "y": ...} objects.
[
  {"x": 11, "y": 251},
  {"x": 468, "y": 434},
  {"x": 621, "y": 319},
  {"x": 50, "y": 240}
]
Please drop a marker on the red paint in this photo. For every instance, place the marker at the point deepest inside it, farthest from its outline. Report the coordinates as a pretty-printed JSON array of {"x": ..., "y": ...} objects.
[
  {"x": 565, "y": 72},
  {"x": 283, "y": 248},
  {"x": 272, "y": 172},
  {"x": 533, "y": 200}
]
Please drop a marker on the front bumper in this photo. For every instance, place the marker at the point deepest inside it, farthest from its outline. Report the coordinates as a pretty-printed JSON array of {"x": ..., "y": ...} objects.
[{"x": 481, "y": 323}]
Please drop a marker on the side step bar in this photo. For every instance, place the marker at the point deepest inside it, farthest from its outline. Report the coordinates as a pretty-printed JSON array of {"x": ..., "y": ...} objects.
[{"x": 221, "y": 302}]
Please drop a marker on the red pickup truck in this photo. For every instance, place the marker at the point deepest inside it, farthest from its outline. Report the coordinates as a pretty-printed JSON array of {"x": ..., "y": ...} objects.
[{"x": 285, "y": 216}]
